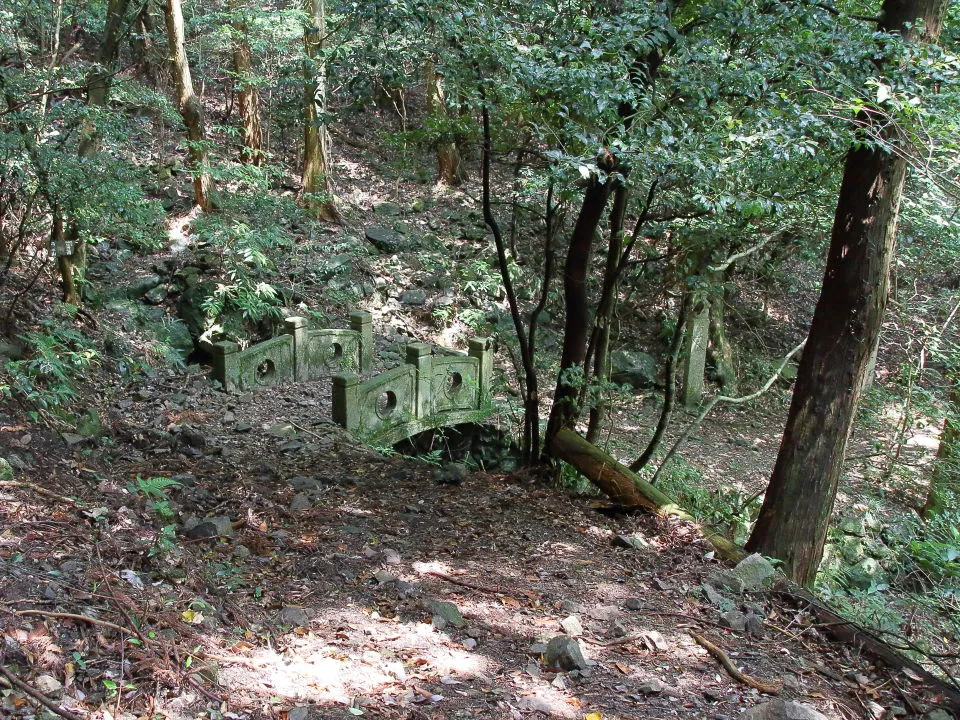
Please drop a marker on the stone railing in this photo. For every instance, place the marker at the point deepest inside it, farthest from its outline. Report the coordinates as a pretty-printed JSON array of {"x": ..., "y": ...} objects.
[
  {"x": 433, "y": 387},
  {"x": 300, "y": 354}
]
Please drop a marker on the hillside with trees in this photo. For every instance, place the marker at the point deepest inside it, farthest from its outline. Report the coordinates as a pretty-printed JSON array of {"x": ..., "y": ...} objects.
[{"x": 714, "y": 247}]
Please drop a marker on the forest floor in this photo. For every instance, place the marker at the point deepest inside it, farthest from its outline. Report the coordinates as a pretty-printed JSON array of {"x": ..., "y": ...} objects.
[
  {"x": 320, "y": 600},
  {"x": 295, "y": 574}
]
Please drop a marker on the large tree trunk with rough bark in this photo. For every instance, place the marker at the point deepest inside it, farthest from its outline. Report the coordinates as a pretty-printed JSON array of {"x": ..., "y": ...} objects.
[
  {"x": 248, "y": 99},
  {"x": 143, "y": 46},
  {"x": 189, "y": 104},
  {"x": 317, "y": 192},
  {"x": 793, "y": 520},
  {"x": 450, "y": 168}
]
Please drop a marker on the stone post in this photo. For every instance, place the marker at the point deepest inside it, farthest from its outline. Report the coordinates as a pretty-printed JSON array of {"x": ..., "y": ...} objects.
[
  {"x": 420, "y": 355},
  {"x": 482, "y": 350},
  {"x": 346, "y": 404},
  {"x": 695, "y": 354},
  {"x": 298, "y": 328},
  {"x": 362, "y": 322},
  {"x": 226, "y": 366}
]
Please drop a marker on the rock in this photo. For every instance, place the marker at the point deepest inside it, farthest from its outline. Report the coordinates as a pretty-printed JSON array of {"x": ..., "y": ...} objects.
[
  {"x": 299, "y": 503},
  {"x": 72, "y": 438},
  {"x": 301, "y": 712},
  {"x": 629, "y": 541},
  {"x": 156, "y": 296},
  {"x": 865, "y": 574},
  {"x": 192, "y": 438},
  {"x": 293, "y": 616},
  {"x": 752, "y": 573},
  {"x": 938, "y": 714},
  {"x": 391, "y": 556},
  {"x": 413, "y": 296},
  {"x": 48, "y": 685},
  {"x": 782, "y": 710},
  {"x": 564, "y": 652},
  {"x": 6, "y": 469},
  {"x": 387, "y": 209},
  {"x": 572, "y": 626},
  {"x": 447, "y": 612},
  {"x": 734, "y": 620},
  {"x": 633, "y": 603},
  {"x": 636, "y": 369},
  {"x": 385, "y": 240},
  {"x": 451, "y": 474},
  {"x": 211, "y": 528},
  {"x": 853, "y": 526},
  {"x": 384, "y": 578},
  {"x": 650, "y": 687},
  {"x": 282, "y": 430},
  {"x": 241, "y": 552},
  {"x": 570, "y": 606},
  {"x": 141, "y": 286},
  {"x": 754, "y": 625},
  {"x": 470, "y": 644}
]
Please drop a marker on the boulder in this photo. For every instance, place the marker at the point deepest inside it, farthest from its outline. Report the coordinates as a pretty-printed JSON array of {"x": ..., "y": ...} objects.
[
  {"x": 783, "y": 710},
  {"x": 564, "y": 652},
  {"x": 636, "y": 369},
  {"x": 384, "y": 239}
]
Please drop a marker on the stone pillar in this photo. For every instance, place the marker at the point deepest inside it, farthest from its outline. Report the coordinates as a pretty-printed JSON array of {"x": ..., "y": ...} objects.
[
  {"x": 226, "y": 366},
  {"x": 482, "y": 350},
  {"x": 420, "y": 355},
  {"x": 695, "y": 354},
  {"x": 346, "y": 404},
  {"x": 362, "y": 322},
  {"x": 298, "y": 328}
]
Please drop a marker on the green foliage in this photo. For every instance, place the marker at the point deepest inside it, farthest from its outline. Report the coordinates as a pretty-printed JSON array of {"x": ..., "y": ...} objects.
[{"x": 57, "y": 356}]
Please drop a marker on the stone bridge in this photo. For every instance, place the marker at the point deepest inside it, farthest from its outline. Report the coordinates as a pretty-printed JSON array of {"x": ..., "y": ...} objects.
[{"x": 434, "y": 387}]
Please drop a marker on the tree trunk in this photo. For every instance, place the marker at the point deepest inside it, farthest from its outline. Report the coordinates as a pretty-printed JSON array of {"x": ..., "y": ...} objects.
[
  {"x": 577, "y": 323},
  {"x": 450, "y": 168},
  {"x": 607, "y": 308},
  {"x": 793, "y": 520},
  {"x": 143, "y": 46},
  {"x": 99, "y": 82},
  {"x": 317, "y": 193},
  {"x": 720, "y": 350},
  {"x": 945, "y": 483},
  {"x": 248, "y": 99},
  {"x": 190, "y": 108}
]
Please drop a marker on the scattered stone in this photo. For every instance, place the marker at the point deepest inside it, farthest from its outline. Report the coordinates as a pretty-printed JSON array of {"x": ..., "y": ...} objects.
[
  {"x": 470, "y": 643},
  {"x": 387, "y": 209},
  {"x": 141, "y": 286},
  {"x": 385, "y": 240},
  {"x": 451, "y": 474},
  {"x": 72, "y": 438},
  {"x": 791, "y": 682},
  {"x": 629, "y": 541},
  {"x": 155, "y": 296},
  {"x": 783, "y": 710},
  {"x": 570, "y": 606},
  {"x": 293, "y": 616},
  {"x": 406, "y": 590},
  {"x": 301, "y": 712},
  {"x": 633, "y": 603},
  {"x": 653, "y": 686},
  {"x": 413, "y": 296},
  {"x": 636, "y": 369},
  {"x": 229, "y": 417},
  {"x": 754, "y": 625},
  {"x": 192, "y": 438},
  {"x": 734, "y": 620},
  {"x": 242, "y": 427},
  {"x": 391, "y": 556},
  {"x": 617, "y": 629},
  {"x": 938, "y": 714},
  {"x": 865, "y": 574},
  {"x": 209, "y": 528},
  {"x": 752, "y": 573},
  {"x": 383, "y": 577},
  {"x": 572, "y": 626},
  {"x": 853, "y": 526},
  {"x": 538, "y": 648},
  {"x": 448, "y": 612},
  {"x": 281, "y": 430},
  {"x": 300, "y": 502},
  {"x": 241, "y": 552},
  {"x": 48, "y": 685},
  {"x": 305, "y": 484},
  {"x": 564, "y": 652}
]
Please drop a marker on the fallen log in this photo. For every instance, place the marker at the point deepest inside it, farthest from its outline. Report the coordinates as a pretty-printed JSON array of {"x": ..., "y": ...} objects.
[{"x": 628, "y": 489}]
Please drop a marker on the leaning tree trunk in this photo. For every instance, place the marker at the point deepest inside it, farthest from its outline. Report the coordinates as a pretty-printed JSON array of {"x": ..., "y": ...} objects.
[
  {"x": 317, "y": 193},
  {"x": 190, "y": 108},
  {"x": 793, "y": 520},
  {"x": 577, "y": 323},
  {"x": 248, "y": 99},
  {"x": 450, "y": 168},
  {"x": 143, "y": 46},
  {"x": 720, "y": 349}
]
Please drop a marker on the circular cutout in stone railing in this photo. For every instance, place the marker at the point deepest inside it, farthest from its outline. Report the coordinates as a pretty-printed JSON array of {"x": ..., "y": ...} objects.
[
  {"x": 386, "y": 404},
  {"x": 265, "y": 372}
]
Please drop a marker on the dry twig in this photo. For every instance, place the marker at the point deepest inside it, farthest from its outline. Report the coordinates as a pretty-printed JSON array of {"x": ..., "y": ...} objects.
[
  {"x": 37, "y": 695},
  {"x": 721, "y": 657}
]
